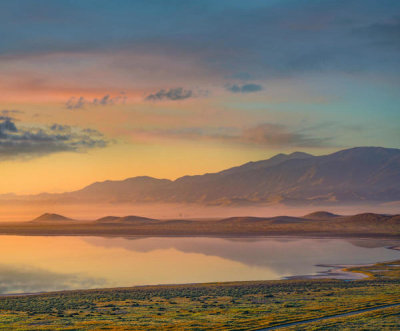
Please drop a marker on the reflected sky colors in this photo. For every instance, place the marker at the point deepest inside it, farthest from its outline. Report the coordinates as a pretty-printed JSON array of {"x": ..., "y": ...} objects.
[
  {"x": 92, "y": 262},
  {"x": 94, "y": 90}
]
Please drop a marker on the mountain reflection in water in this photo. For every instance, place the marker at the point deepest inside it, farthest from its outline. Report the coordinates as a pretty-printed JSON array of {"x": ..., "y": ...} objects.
[{"x": 33, "y": 264}]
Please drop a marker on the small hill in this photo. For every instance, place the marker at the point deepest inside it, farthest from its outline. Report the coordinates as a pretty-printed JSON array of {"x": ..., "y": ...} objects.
[
  {"x": 242, "y": 219},
  {"x": 321, "y": 215},
  {"x": 369, "y": 218},
  {"x": 254, "y": 220},
  {"x": 124, "y": 220},
  {"x": 48, "y": 217},
  {"x": 108, "y": 219},
  {"x": 287, "y": 219}
]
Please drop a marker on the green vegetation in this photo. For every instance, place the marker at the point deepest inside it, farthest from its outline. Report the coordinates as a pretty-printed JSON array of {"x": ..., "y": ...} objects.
[
  {"x": 385, "y": 319},
  {"x": 217, "y": 306},
  {"x": 384, "y": 270}
]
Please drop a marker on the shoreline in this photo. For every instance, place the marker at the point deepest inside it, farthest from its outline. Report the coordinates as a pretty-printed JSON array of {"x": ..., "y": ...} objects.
[
  {"x": 212, "y": 235},
  {"x": 171, "y": 286},
  {"x": 338, "y": 272}
]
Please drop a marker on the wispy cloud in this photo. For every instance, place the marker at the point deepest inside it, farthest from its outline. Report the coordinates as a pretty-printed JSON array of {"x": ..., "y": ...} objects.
[
  {"x": 75, "y": 103},
  {"x": 244, "y": 88},
  {"x": 24, "y": 141},
  {"x": 266, "y": 134},
  {"x": 80, "y": 102},
  {"x": 383, "y": 34},
  {"x": 9, "y": 114},
  {"x": 174, "y": 94},
  {"x": 277, "y": 135}
]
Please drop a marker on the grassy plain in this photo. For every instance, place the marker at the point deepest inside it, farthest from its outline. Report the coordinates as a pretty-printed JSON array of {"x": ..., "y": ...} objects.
[{"x": 217, "y": 306}]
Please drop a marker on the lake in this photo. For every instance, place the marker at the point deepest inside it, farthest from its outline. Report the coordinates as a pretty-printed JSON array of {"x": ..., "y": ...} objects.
[{"x": 39, "y": 263}]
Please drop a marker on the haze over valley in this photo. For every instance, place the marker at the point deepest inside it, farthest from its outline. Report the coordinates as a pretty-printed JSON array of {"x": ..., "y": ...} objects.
[{"x": 349, "y": 181}]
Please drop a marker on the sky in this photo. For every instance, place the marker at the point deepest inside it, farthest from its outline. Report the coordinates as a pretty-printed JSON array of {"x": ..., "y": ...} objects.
[{"x": 94, "y": 90}]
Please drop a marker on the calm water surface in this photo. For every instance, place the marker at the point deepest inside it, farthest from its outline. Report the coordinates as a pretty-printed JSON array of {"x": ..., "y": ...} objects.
[{"x": 33, "y": 264}]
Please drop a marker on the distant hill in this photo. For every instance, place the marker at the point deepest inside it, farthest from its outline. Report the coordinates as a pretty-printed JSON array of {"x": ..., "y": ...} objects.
[
  {"x": 356, "y": 175},
  {"x": 321, "y": 215},
  {"x": 47, "y": 217},
  {"x": 371, "y": 218},
  {"x": 366, "y": 224},
  {"x": 124, "y": 220},
  {"x": 272, "y": 220}
]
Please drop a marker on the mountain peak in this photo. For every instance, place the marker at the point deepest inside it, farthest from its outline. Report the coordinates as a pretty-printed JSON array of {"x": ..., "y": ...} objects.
[
  {"x": 284, "y": 157},
  {"x": 298, "y": 155},
  {"x": 48, "y": 217},
  {"x": 273, "y": 161}
]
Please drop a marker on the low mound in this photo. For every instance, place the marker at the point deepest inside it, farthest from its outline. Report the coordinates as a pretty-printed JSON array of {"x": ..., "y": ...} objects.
[
  {"x": 124, "y": 220},
  {"x": 108, "y": 219},
  {"x": 370, "y": 218},
  {"x": 242, "y": 219},
  {"x": 48, "y": 217},
  {"x": 320, "y": 215},
  {"x": 287, "y": 219}
]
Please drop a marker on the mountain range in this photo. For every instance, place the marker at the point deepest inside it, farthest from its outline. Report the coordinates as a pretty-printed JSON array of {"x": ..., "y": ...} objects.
[{"x": 356, "y": 175}]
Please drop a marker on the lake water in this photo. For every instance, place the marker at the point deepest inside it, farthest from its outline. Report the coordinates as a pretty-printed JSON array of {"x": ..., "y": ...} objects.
[{"x": 34, "y": 264}]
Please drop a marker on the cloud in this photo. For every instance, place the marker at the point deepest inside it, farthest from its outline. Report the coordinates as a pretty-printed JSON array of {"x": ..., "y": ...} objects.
[
  {"x": 6, "y": 114},
  {"x": 7, "y": 125},
  {"x": 384, "y": 33},
  {"x": 263, "y": 38},
  {"x": 80, "y": 102},
  {"x": 244, "y": 88},
  {"x": 33, "y": 141},
  {"x": 177, "y": 93},
  {"x": 241, "y": 75},
  {"x": 266, "y": 134},
  {"x": 75, "y": 103},
  {"x": 107, "y": 100},
  {"x": 277, "y": 135}
]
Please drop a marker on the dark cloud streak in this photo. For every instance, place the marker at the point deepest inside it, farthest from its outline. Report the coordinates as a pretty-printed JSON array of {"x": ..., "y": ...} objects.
[
  {"x": 34, "y": 141},
  {"x": 79, "y": 103},
  {"x": 244, "y": 88},
  {"x": 277, "y": 135},
  {"x": 266, "y": 134},
  {"x": 173, "y": 94}
]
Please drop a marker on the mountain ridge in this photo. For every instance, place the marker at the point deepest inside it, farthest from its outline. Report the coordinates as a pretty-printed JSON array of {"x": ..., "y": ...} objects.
[{"x": 355, "y": 175}]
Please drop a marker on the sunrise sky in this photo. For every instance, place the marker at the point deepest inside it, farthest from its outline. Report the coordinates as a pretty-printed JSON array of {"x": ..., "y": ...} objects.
[{"x": 94, "y": 90}]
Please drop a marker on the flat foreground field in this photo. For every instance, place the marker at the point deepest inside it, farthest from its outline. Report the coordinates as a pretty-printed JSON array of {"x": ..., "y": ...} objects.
[{"x": 218, "y": 306}]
